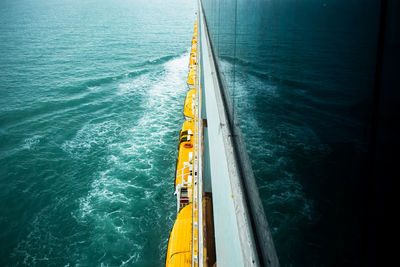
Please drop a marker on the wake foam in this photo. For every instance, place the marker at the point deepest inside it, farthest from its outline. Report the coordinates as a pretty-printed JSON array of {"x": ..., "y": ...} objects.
[
  {"x": 31, "y": 142},
  {"x": 125, "y": 194},
  {"x": 129, "y": 202}
]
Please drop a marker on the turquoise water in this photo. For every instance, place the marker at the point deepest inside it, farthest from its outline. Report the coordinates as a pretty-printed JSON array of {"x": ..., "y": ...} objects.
[{"x": 91, "y": 96}]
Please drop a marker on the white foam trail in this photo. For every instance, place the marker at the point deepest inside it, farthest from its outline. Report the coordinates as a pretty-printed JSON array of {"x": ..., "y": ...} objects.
[
  {"x": 160, "y": 104},
  {"x": 90, "y": 135},
  {"x": 31, "y": 142},
  {"x": 112, "y": 199}
]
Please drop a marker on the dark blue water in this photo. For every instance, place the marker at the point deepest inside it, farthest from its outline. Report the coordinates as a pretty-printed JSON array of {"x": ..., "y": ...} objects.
[
  {"x": 91, "y": 96},
  {"x": 301, "y": 77}
]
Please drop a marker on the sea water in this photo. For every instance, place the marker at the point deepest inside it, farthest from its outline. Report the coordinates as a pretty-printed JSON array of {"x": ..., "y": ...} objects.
[{"x": 91, "y": 99}]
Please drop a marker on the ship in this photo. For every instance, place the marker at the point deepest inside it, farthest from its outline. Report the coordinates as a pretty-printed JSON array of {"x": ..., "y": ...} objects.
[{"x": 220, "y": 218}]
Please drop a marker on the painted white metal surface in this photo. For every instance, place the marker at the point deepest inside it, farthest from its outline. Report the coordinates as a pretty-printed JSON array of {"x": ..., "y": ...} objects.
[{"x": 233, "y": 234}]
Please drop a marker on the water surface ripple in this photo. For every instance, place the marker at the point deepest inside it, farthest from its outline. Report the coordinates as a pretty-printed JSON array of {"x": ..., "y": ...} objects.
[{"x": 91, "y": 97}]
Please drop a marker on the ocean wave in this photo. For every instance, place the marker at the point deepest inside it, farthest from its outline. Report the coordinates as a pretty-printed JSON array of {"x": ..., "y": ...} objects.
[
  {"x": 31, "y": 142},
  {"x": 91, "y": 136},
  {"x": 111, "y": 79},
  {"x": 129, "y": 190},
  {"x": 129, "y": 203},
  {"x": 161, "y": 60},
  {"x": 139, "y": 69}
]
